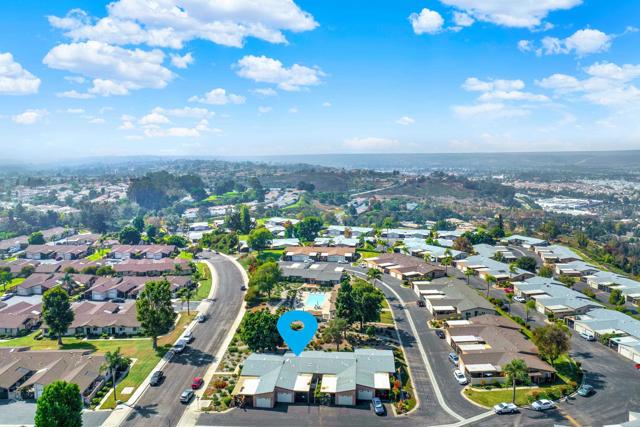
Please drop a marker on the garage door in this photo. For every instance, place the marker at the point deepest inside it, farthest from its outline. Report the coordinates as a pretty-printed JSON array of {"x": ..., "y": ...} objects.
[
  {"x": 285, "y": 397},
  {"x": 344, "y": 400},
  {"x": 263, "y": 402},
  {"x": 624, "y": 351},
  {"x": 365, "y": 394},
  {"x": 579, "y": 328}
]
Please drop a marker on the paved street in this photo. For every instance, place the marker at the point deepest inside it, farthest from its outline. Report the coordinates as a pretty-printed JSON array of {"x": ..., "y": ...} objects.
[{"x": 159, "y": 406}]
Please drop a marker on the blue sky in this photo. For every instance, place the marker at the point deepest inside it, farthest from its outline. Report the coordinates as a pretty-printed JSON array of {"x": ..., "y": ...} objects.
[{"x": 215, "y": 77}]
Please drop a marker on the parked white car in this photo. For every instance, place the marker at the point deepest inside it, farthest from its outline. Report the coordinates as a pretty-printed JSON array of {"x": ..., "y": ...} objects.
[
  {"x": 505, "y": 408},
  {"x": 462, "y": 380},
  {"x": 519, "y": 299},
  {"x": 542, "y": 405},
  {"x": 587, "y": 336}
]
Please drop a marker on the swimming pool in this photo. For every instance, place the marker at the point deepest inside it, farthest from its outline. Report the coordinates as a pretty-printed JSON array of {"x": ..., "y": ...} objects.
[{"x": 315, "y": 299}]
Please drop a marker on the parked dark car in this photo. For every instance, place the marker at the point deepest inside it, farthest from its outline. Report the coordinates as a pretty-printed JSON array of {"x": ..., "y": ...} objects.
[
  {"x": 243, "y": 288},
  {"x": 585, "y": 390},
  {"x": 440, "y": 333},
  {"x": 378, "y": 407},
  {"x": 118, "y": 301},
  {"x": 156, "y": 378},
  {"x": 421, "y": 303}
]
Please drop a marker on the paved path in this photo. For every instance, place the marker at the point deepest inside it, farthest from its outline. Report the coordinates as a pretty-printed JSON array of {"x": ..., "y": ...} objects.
[{"x": 160, "y": 406}]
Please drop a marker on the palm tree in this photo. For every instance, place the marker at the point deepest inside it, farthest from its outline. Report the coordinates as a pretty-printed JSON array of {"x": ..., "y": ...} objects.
[
  {"x": 373, "y": 274},
  {"x": 113, "y": 363},
  {"x": 490, "y": 279},
  {"x": 468, "y": 273},
  {"x": 528, "y": 306},
  {"x": 426, "y": 255},
  {"x": 516, "y": 370},
  {"x": 513, "y": 268},
  {"x": 446, "y": 261},
  {"x": 185, "y": 295},
  {"x": 509, "y": 300}
]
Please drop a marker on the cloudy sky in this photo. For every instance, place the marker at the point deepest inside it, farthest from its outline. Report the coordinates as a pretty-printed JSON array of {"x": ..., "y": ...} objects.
[{"x": 222, "y": 77}]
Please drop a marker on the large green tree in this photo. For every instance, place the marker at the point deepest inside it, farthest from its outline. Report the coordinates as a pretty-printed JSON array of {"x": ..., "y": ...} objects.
[
  {"x": 552, "y": 341},
  {"x": 265, "y": 277},
  {"x": 154, "y": 310},
  {"x": 336, "y": 330},
  {"x": 259, "y": 331},
  {"x": 56, "y": 311},
  {"x": 60, "y": 405},
  {"x": 345, "y": 304},
  {"x": 527, "y": 263},
  {"x": 308, "y": 229},
  {"x": 368, "y": 302},
  {"x": 246, "y": 224},
  {"x": 36, "y": 238},
  {"x": 260, "y": 239},
  {"x": 129, "y": 235},
  {"x": 516, "y": 370}
]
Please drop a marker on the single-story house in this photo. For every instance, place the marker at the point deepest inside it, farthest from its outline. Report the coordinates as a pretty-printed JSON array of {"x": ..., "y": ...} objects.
[
  {"x": 554, "y": 298},
  {"x": 601, "y": 322},
  {"x": 483, "y": 267},
  {"x": 39, "y": 283},
  {"x": 485, "y": 344},
  {"x": 25, "y": 373},
  {"x": 405, "y": 267},
  {"x": 142, "y": 251},
  {"x": 346, "y": 377},
  {"x": 556, "y": 254},
  {"x": 348, "y": 231},
  {"x": 350, "y": 242},
  {"x": 57, "y": 233},
  {"x": 13, "y": 245},
  {"x": 316, "y": 273},
  {"x": 490, "y": 251},
  {"x": 284, "y": 243},
  {"x": 149, "y": 267},
  {"x": 64, "y": 252},
  {"x": 16, "y": 266},
  {"x": 319, "y": 253},
  {"x": 403, "y": 233},
  {"x": 88, "y": 239},
  {"x": 453, "y": 299},
  {"x": 108, "y": 288},
  {"x": 576, "y": 269},
  {"x": 608, "y": 281},
  {"x": 18, "y": 318},
  {"x": 418, "y": 247},
  {"x": 279, "y": 221},
  {"x": 97, "y": 318},
  {"x": 524, "y": 241}
]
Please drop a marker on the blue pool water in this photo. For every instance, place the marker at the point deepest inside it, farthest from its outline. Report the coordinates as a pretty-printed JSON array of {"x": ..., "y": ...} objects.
[{"x": 315, "y": 299}]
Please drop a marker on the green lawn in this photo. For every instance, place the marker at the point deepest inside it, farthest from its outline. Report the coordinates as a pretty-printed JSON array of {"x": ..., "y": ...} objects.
[
  {"x": 140, "y": 349},
  {"x": 13, "y": 283},
  {"x": 367, "y": 254},
  {"x": 386, "y": 317},
  {"x": 492, "y": 397},
  {"x": 205, "y": 285},
  {"x": 99, "y": 254},
  {"x": 185, "y": 255}
]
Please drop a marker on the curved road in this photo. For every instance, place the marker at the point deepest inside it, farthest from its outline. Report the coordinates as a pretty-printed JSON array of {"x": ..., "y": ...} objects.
[{"x": 160, "y": 406}]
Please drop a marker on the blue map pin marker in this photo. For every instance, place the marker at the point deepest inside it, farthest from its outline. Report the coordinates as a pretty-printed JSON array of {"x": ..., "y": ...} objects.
[{"x": 297, "y": 340}]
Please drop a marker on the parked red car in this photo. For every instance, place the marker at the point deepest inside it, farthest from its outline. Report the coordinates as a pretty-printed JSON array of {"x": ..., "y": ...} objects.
[
  {"x": 637, "y": 365},
  {"x": 197, "y": 383}
]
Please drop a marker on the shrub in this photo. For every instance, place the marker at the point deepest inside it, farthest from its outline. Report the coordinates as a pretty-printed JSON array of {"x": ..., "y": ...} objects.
[
  {"x": 233, "y": 349},
  {"x": 227, "y": 401}
]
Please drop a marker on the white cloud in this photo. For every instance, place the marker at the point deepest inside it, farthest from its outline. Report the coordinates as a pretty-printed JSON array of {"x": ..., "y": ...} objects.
[
  {"x": 171, "y": 23},
  {"x": 582, "y": 42},
  {"x": 371, "y": 143},
  {"x": 489, "y": 110},
  {"x": 513, "y": 95},
  {"x": 326, "y": 104},
  {"x": 74, "y": 94},
  {"x": 266, "y": 91},
  {"x": 405, "y": 121},
  {"x": 29, "y": 117},
  {"x": 218, "y": 96},
  {"x": 525, "y": 45},
  {"x": 115, "y": 70},
  {"x": 15, "y": 80},
  {"x": 97, "y": 121},
  {"x": 267, "y": 70},
  {"x": 427, "y": 21},
  {"x": 154, "y": 119},
  {"x": 462, "y": 19},
  {"x": 182, "y": 61},
  {"x": 264, "y": 109},
  {"x": 74, "y": 110},
  {"x": 477, "y": 85},
  {"x": 511, "y": 13},
  {"x": 605, "y": 84},
  {"x": 192, "y": 112}
]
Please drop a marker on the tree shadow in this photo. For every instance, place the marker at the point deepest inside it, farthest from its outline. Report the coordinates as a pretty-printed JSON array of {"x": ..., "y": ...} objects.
[
  {"x": 144, "y": 411},
  {"x": 193, "y": 357}
]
